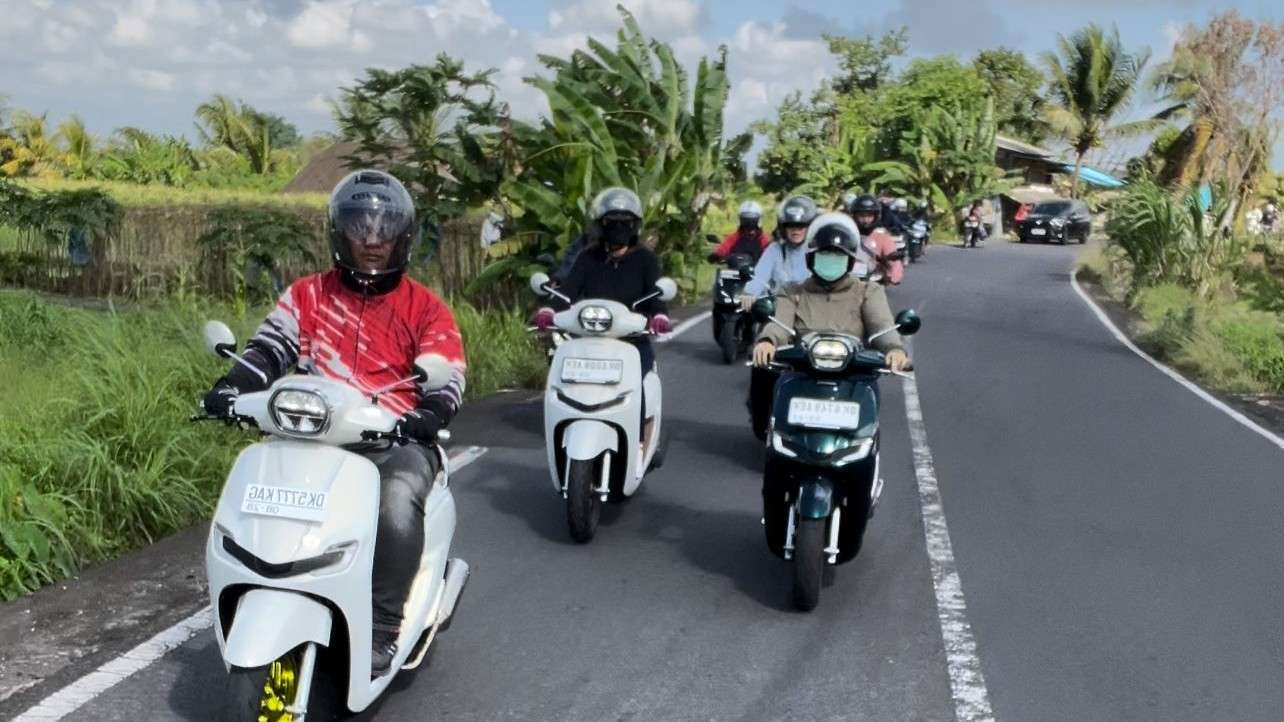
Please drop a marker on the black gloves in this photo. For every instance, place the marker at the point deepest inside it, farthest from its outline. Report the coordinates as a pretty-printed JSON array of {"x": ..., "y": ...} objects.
[
  {"x": 421, "y": 425},
  {"x": 219, "y": 400}
]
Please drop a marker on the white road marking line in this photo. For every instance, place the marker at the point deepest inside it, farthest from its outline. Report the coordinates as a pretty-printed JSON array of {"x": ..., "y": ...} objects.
[
  {"x": 967, "y": 684},
  {"x": 75, "y": 695},
  {"x": 1170, "y": 373},
  {"x": 684, "y": 327}
]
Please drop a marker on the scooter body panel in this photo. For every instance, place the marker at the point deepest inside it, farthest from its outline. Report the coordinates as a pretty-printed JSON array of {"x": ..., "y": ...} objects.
[
  {"x": 328, "y": 558},
  {"x": 258, "y": 637},
  {"x": 821, "y": 469},
  {"x": 588, "y": 418}
]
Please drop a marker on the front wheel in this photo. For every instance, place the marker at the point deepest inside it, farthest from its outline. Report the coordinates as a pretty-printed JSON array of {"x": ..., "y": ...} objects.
[
  {"x": 727, "y": 341},
  {"x": 809, "y": 563},
  {"x": 583, "y": 505},
  {"x": 265, "y": 694}
]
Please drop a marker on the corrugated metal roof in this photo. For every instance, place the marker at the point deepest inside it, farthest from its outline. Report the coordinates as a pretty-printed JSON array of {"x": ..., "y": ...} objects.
[{"x": 1016, "y": 146}]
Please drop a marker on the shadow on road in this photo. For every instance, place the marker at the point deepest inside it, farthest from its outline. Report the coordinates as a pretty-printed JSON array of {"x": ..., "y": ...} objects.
[{"x": 733, "y": 442}]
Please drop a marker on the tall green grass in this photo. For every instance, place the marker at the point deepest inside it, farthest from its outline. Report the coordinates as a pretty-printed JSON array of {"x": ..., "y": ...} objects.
[
  {"x": 134, "y": 194},
  {"x": 97, "y": 455}
]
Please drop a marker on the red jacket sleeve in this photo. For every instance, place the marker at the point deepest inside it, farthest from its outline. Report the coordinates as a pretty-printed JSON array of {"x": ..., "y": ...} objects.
[{"x": 727, "y": 244}]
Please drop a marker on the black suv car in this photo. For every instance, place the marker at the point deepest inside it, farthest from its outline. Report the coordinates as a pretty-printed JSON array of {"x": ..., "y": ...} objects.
[{"x": 1061, "y": 221}]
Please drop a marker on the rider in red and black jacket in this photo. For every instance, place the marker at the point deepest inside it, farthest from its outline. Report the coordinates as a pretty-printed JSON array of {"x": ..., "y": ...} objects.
[
  {"x": 748, "y": 239},
  {"x": 364, "y": 323}
]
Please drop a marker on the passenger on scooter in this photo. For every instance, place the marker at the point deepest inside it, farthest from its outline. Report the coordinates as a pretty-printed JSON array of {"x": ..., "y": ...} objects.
[
  {"x": 364, "y": 323},
  {"x": 748, "y": 239},
  {"x": 876, "y": 240},
  {"x": 833, "y": 298},
  {"x": 782, "y": 262}
]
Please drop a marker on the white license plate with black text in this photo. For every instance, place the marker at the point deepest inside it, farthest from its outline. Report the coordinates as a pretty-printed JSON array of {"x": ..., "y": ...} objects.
[
  {"x": 824, "y": 413},
  {"x": 284, "y": 502},
  {"x": 592, "y": 371},
  {"x": 1038, "y": 231},
  {"x": 729, "y": 275}
]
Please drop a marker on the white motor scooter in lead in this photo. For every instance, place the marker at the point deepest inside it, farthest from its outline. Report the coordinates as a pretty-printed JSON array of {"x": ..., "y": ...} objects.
[
  {"x": 291, "y": 549},
  {"x": 593, "y": 425}
]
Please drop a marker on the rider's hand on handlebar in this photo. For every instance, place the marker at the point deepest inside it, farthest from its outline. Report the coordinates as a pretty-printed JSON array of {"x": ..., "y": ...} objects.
[
  {"x": 218, "y": 402},
  {"x": 659, "y": 324},
  {"x": 421, "y": 425},
  {"x": 763, "y": 353},
  {"x": 896, "y": 360},
  {"x": 544, "y": 318},
  {"x": 746, "y": 302}
]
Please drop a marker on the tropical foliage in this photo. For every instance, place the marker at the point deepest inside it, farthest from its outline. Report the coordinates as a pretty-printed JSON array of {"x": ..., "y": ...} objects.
[
  {"x": 1092, "y": 80},
  {"x": 432, "y": 126},
  {"x": 625, "y": 116}
]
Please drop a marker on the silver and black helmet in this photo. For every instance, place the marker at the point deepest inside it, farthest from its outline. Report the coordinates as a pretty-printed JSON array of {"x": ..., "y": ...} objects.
[{"x": 371, "y": 206}]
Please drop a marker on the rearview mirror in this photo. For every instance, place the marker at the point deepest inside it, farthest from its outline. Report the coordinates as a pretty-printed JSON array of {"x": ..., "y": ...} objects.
[
  {"x": 763, "y": 309},
  {"x": 433, "y": 371},
  {"x": 908, "y": 322},
  {"x": 219, "y": 339},
  {"x": 538, "y": 281},
  {"x": 668, "y": 289},
  {"x": 710, "y": 238}
]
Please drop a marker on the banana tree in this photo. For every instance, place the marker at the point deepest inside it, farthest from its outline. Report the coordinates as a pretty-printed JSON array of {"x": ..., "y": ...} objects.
[{"x": 623, "y": 116}]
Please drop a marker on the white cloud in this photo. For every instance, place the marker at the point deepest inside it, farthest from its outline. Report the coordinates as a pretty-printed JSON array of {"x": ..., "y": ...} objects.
[
  {"x": 151, "y": 79},
  {"x": 321, "y": 25}
]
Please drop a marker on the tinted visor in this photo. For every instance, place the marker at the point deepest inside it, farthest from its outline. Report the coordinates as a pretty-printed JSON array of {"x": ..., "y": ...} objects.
[{"x": 375, "y": 226}]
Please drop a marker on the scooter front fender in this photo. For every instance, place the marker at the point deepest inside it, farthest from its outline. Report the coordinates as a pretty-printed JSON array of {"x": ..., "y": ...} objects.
[
  {"x": 586, "y": 439},
  {"x": 815, "y": 498},
  {"x": 270, "y": 622}
]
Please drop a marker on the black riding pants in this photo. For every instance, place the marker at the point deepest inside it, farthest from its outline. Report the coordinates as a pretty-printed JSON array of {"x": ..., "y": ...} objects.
[{"x": 406, "y": 474}]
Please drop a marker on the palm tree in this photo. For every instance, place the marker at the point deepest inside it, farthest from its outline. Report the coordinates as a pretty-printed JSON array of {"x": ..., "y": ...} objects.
[
  {"x": 223, "y": 123},
  {"x": 29, "y": 147},
  {"x": 77, "y": 147},
  {"x": 1091, "y": 83}
]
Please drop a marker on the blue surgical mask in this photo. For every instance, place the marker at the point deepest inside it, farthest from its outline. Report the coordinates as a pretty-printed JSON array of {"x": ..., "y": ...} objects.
[{"x": 830, "y": 267}]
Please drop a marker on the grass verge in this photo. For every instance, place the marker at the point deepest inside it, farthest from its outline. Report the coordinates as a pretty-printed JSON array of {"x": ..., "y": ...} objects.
[{"x": 96, "y": 452}]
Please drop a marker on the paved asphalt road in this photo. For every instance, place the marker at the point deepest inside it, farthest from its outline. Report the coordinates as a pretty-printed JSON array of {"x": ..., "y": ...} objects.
[{"x": 1118, "y": 541}]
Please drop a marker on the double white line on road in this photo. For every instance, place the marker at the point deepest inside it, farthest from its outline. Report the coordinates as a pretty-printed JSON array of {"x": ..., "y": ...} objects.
[
  {"x": 78, "y": 693},
  {"x": 967, "y": 684}
]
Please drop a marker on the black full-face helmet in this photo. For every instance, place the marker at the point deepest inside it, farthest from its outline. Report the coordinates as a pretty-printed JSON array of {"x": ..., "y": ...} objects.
[
  {"x": 371, "y": 207},
  {"x": 865, "y": 205},
  {"x": 616, "y": 214}
]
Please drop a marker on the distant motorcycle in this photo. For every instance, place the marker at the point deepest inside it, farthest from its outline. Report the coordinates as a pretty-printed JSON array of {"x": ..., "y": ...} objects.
[
  {"x": 733, "y": 328},
  {"x": 917, "y": 236},
  {"x": 973, "y": 232},
  {"x": 823, "y": 449}
]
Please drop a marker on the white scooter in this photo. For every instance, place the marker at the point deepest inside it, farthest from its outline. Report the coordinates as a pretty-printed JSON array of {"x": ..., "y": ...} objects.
[
  {"x": 593, "y": 424},
  {"x": 291, "y": 549}
]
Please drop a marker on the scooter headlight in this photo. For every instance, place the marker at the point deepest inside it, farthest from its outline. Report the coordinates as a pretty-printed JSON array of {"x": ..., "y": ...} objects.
[
  {"x": 829, "y": 354},
  {"x": 299, "y": 412},
  {"x": 595, "y": 319},
  {"x": 855, "y": 453}
]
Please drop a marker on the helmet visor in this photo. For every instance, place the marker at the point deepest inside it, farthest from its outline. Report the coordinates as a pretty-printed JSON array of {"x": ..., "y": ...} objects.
[{"x": 371, "y": 226}]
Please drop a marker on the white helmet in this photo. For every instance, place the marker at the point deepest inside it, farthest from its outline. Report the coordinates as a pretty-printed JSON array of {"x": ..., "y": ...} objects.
[{"x": 751, "y": 209}]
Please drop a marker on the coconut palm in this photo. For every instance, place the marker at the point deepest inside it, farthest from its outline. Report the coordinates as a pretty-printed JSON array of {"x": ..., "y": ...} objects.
[
  {"x": 29, "y": 147},
  {"x": 77, "y": 146},
  {"x": 1092, "y": 82},
  {"x": 222, "y": 122}
]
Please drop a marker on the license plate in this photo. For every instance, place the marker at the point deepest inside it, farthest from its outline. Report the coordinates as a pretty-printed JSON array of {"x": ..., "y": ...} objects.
[
  {"x": 1038, "y": 231},
  {"x": 824, "y": 414},
  {"x": 592, "y": 371},
  {"x": 728, "y": 275},
  {"x": 284, "y": 502}
]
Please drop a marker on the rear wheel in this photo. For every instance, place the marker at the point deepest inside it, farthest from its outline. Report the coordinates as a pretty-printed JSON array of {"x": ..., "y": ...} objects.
[
  {"x": 583, "y": 505},
  {"x": 727, "y": 341},
  {"x": 266, "y": 694},
  {"x": 809, "y": 562}
]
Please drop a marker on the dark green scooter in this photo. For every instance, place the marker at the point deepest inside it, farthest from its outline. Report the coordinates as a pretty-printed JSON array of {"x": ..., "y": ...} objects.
[{"x": 821, "y": 483}]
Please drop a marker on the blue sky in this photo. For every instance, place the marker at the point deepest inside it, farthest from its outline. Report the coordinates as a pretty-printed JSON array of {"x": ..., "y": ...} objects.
[{"x": 148, "y": 63}]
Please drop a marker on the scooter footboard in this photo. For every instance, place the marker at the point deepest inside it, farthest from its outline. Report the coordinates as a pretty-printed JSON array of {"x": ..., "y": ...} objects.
[{"x": 270, "y": 622}]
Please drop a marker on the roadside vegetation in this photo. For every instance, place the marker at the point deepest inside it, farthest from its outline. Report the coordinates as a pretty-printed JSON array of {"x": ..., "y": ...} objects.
[{"x": 1207, "y": 286}]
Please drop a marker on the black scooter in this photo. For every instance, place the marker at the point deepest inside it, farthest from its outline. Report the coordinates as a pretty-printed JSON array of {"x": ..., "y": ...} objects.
[
  {"x": 733, "y": 328},
  {"x": 821, "y": 481}
]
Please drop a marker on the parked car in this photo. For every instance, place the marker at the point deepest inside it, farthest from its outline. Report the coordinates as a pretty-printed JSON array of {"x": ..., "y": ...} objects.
[{"x": 1059, "y": 220}]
